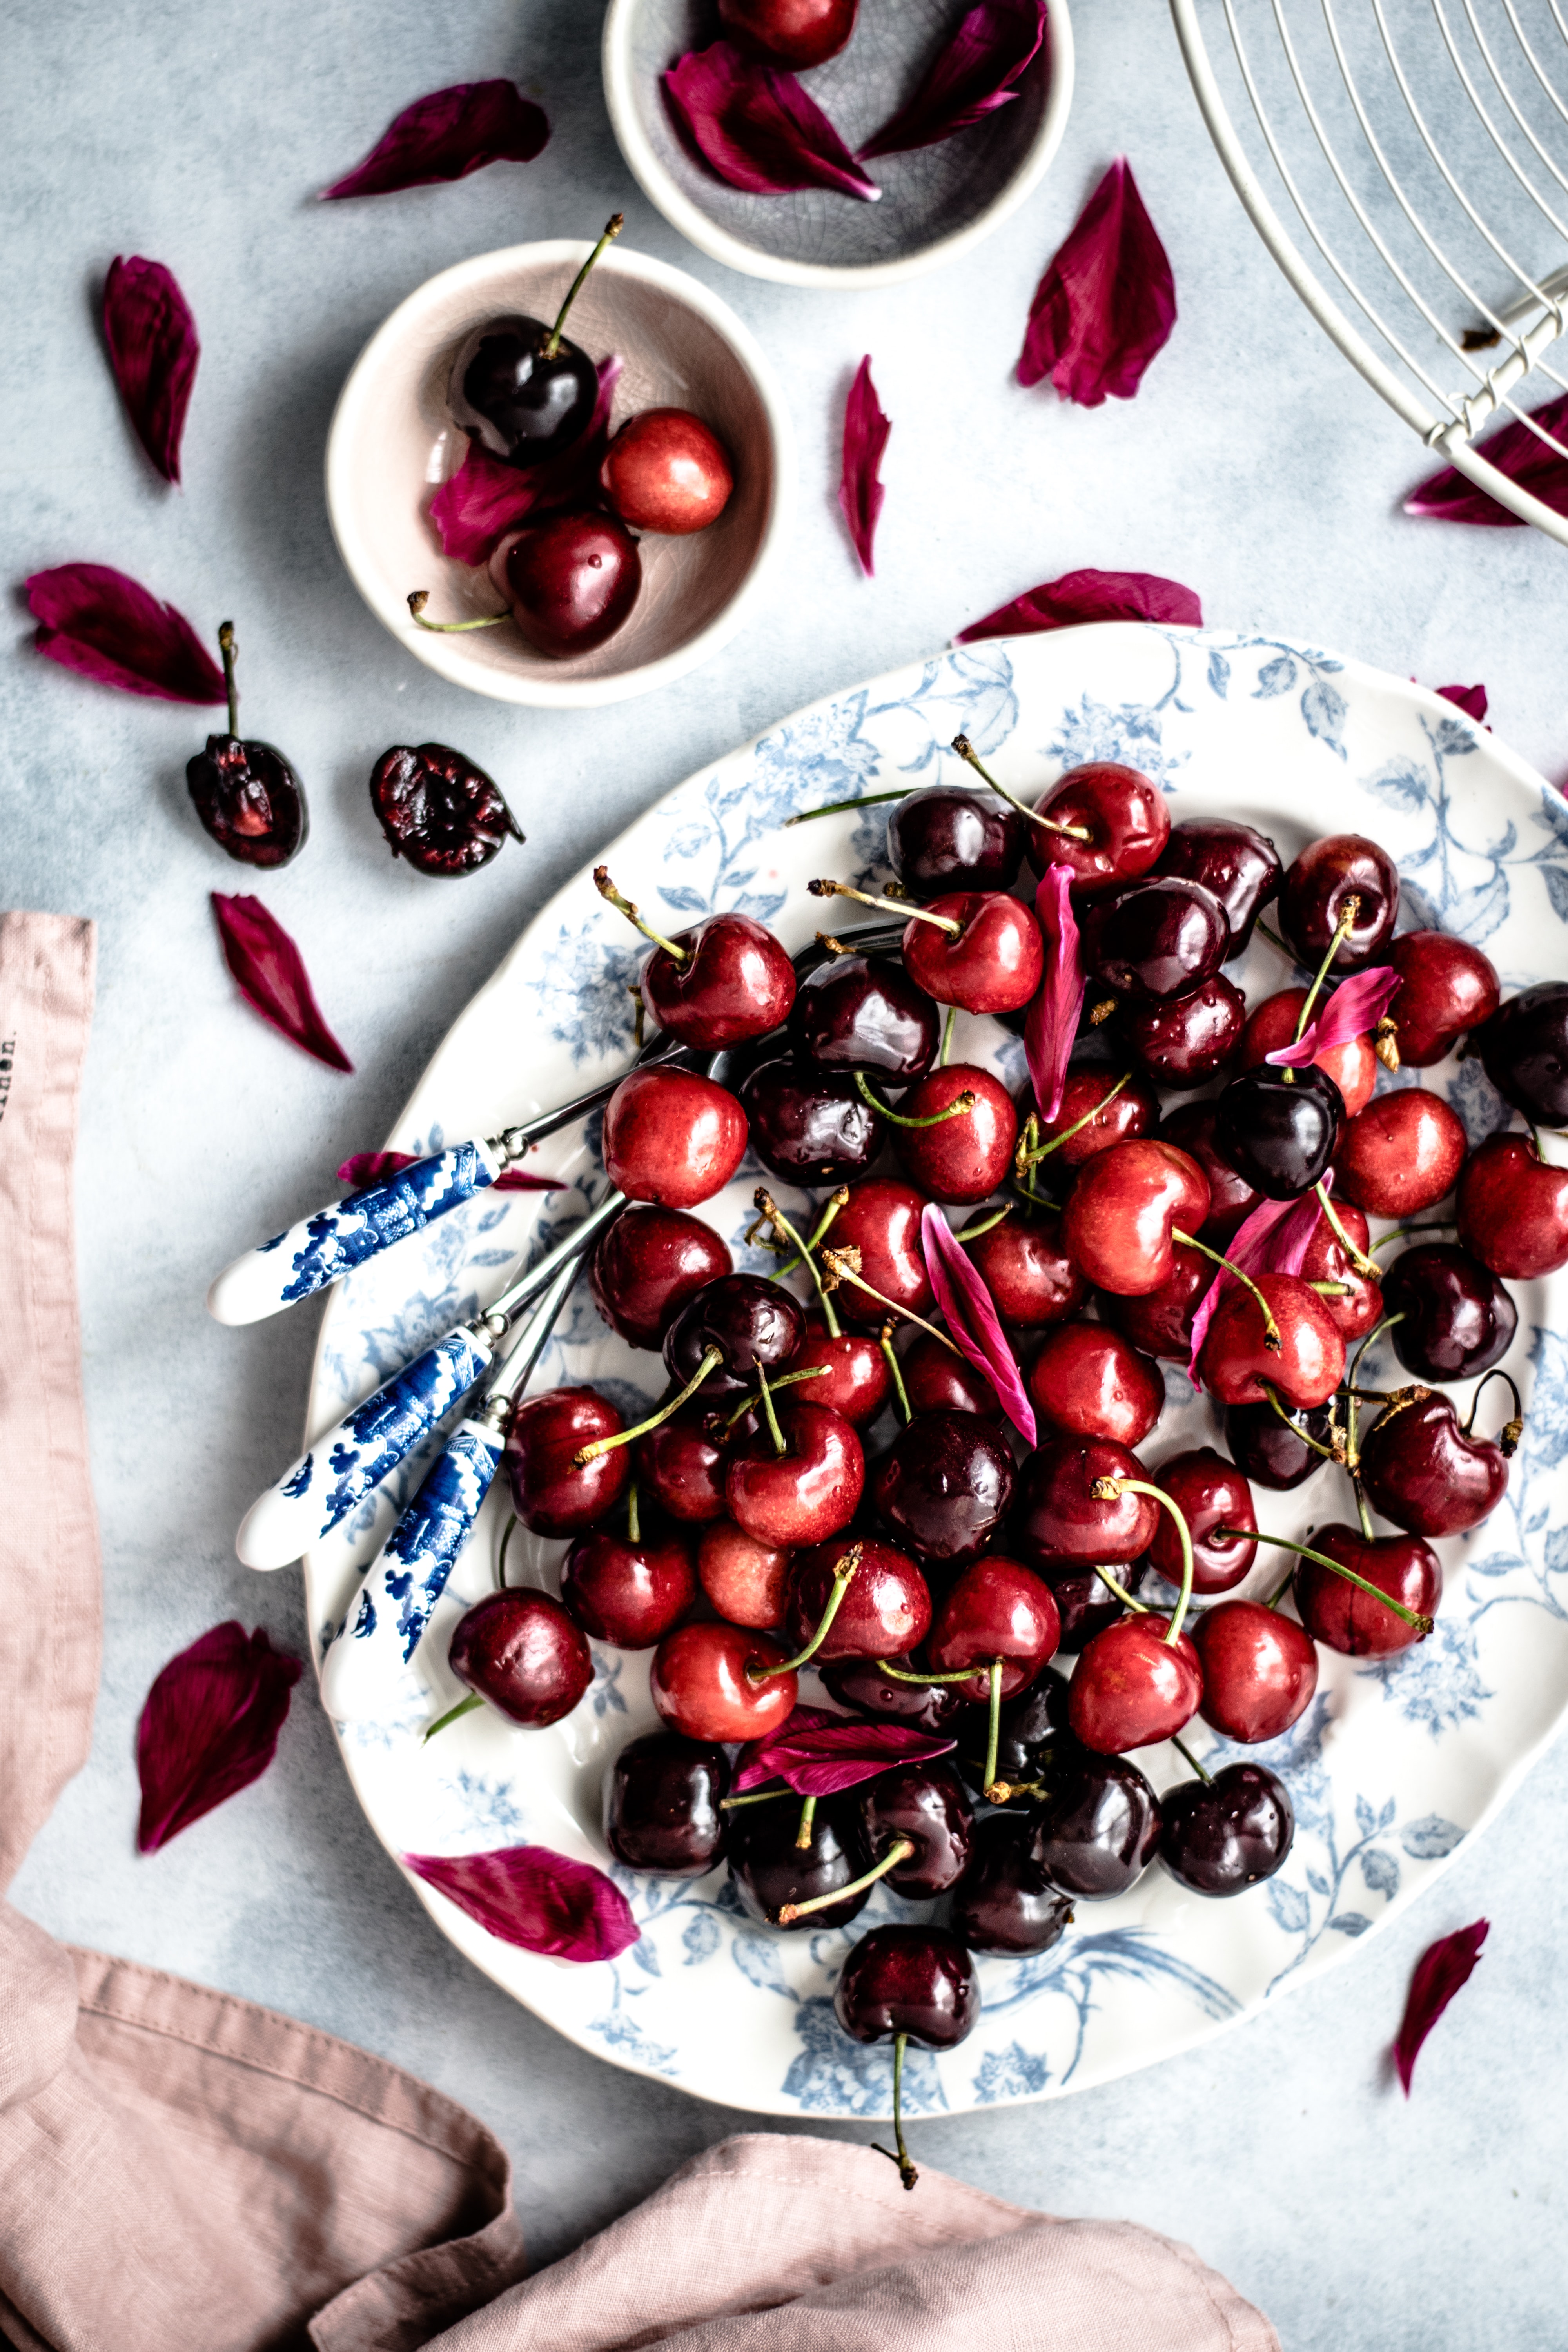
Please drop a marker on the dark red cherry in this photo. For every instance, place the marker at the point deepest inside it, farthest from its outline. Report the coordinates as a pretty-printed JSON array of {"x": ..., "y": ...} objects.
[
  {"x": 1087, "y": 1605},
  {"x": 924, "y": 1804},
  {"x": 1275, "y": 1452},
  {"x": 1313, "y": 896},
  {"x": 1133, "y": 1688},
  {"x": 747, "y": 1583},
  {"x": 1344, "y": 1617},
  {"x": 438, "y": 810},
  {"x": 1126, "y": 1206},
  {"x": 625, "y": 1592},
  {"x": 1357, "y": 1304},
  {"x": 745, "y": 1320},
  {"x": 570, "y": 580},
  {"x": 993, "y": 964},
  {"x": 806, "y": 1494},
  {"x": 516, "y": 399},
  {"x": 1024, "y": 1265},
  {"x": 1088, "y": 1381},
  {"x": 963, "y": 1158},
  {"x": 672, "y": 1138},
  {"x": 936, "y": 1380},
  {"x": 918, "y": 1982},
  {"x": 944, "y": 1487},
  {"x": 1030, "y": 1730},
  {"x": 1513, "y": 1209},
  {"x": 1421, "y": 1470},
  {"x": 1352, "y": 1066},
  {"x": 1091, "y": 1116},
  {"x": 769, "y": 1869},
  {"x": 854, "y": 1380},
  {"x": 809, "y": 1125},
  {"x": 1005, "y": 1904},
  {"x": 1210, "y": 1493},
  {"x": 1239, "y": 865},
  {"x": 681, "y": 1467},
  {"x": 646, "y": 1267},
  {"x": 245, "y": 794},
  {"x": 700, "y": 1687},
  {"x": 881, "y": 1219},
  {"x": 1456, "y": 1317},
  {"x": 1238, "y": 1366},
  {"x": 1524, "y": 1051},
  {"x": 1160, "y": 1323},
  {"x": 798, "y": 32},
  {"x": 1402, "y": 1154},
  {"x": 1190, "y": 1126},
  {"x": 995, "y": 1608},
  {"x": 1061, "y": 1525},
  {"x": 925, "y": 1707},
  {"x": 520, "y": 1650},
  {"x": 1278, "y": 1127},
  {"x": 1128, "y": 820},
  {"x": 666, "y": 471},
  {"x": 1260, "y": 1670},
  {"x": 1156, "y": 942},
  {"x": 885, "y": 1611},
  {"x": 1189, "y": 1041},
  {"x": 1447, "y": 988},
  {"x": 1097, "y": 1826},
  {"x": 552, "y": 1495},
  {"x": 954, "y": 837},
  {"x": 1221, "y": 1836},
  {"x": 734, "y": 981},
  {"x": 865, "y": 1013},
  {"x": 662, "y": 1803}
]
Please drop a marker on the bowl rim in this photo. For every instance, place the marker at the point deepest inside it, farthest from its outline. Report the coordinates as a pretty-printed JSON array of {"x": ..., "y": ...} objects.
[
  {"x": 694, "y": 224},
  {"x": 450, "y": 656}
]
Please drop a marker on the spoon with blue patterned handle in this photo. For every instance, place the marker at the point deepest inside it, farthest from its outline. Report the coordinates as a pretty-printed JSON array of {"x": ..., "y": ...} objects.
[{"x": 346, "y": 1464}]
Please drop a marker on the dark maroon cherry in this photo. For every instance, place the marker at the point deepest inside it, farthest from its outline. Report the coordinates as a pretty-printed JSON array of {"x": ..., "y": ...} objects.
[
  {"x": 1005, "y": 1904},
  {"x": 1313, "y": 895},
  {"x": 732, "y": 982},
  {"x": 743, "y": 1318},
  {"x": 1524, "y": 1051},
  {"x": 1155, "y": 942},
  {"x": 923, "y": 1805},
  {"x": 1062, "y": 1525},
  {"x": 944, "y": 1487},
  {"x": 1426, "y": 1473},
  {"x": 1223, "y": 1835},
  {"x": 1190, "y": 1126},
  {"x": 924, "y": 1707},
  {"x": 438, "y": 810},
  {"x": 1190, "y": 1040},
  {"x": 1279, "y": 1128},
  {"x": 1239, "y": 865},
  {"x": 936, "y": 1380},
  {"x": 797, "y": 32},
  {"x": 245, "y": 794},
  {"x": 918, "y": 1982},
  {"x": 1160, "y": 1322},
  {"x": 1210, "y": 1493},
  {"x": 809, "y": 1126},
  {"x": 885, "y": 1611},
  {"x": 569, "y": 579},
  {"x": 520, "y": 1650},
  {"x": 954, "y": 837},
  {"x": 1087, "y": 1606},
  {"x": 1457, "y": 1319},
  {"x": 552, "y": 1493},
  {"x": 1447, "y": 988},
  {"x": 1260, "y": 1669},
  {"x": 681, "y": 1466},
  {"x": 519, "y": 388},
  {"x": 628, "y": 1592},
  {"x": 865, "y": 1013},
  {"x": 1272, "y": 1451},
  {"x": 1032, "y": 1729},
  {"x": 1097, "y": 1826},
  {"x": 771, "y": 1870},
  {"x": 647, "y": 1266},
  {"x": 1024, "y": 1265},
  {"x": 663, "y": 1805},
  {"x": 1125, "y": 813}
]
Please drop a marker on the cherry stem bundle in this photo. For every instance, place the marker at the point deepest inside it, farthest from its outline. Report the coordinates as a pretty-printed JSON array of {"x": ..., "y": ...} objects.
[
  {"x": 763, "y": 1200},
  {"x": 907, "y": 2172},
  {"x": 1107, "y": 1490},
  {"x": 1271, "y": 1338},
  {"x": 1338, "y": 1568},
  {"x": 227, "y": 649},
  {"x": 607, "y": 890},
  {"x": 961, "y": 1102},
  {"x": 842, "y": 1576},
  {"x": 838, "y": 1266},
  {"x": 966, "y": 750},
  {"x": 827, "y": 889},
  {"x": 899, "y": 1851},
  {"x": 613, "y": 228},
  {"x": 711, "y": 1359}
]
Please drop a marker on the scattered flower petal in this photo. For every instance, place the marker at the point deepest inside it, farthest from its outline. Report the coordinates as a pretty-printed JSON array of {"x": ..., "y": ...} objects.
[
  {"x": 1106, "y": 304},
  {"x": 484, "y": 498},
  {"x": 528, "y": 1896},
  {"x": 755, "y": 126},
  {"x": 270, "y": 974},
  {"x": 368, "y": 1167},
  {"x": 1079, "y": 597},
  {"x": 978, "y": 71},
  {"x": 1051, "y": 1023},
  {"x": 1470, "y": 700},
  {"x": 1356, "y": 1006},
  {"x": 209, "y": 1728},
  {"x": 95, "y": 620},
  {"x": 1516, "y": 451},
  {"x": 1273, "y": 1240},
  {"x": 861, "y": 493},
  {"x": 972, "y": 1319},
  {"x": 447, "y": 134},
  {"x": 154, "y": 351},
  {"x": 822, "y": 1758},
  {"x": 1440, "y": 1971}
]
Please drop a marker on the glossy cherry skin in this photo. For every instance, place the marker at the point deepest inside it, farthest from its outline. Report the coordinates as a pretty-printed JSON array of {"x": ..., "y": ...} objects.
[
  {"x": 1087, "y": 1605},
  {"x": 517, "y": 401},
  {"x": 926, "y": 1804},
  {"x": 798, "y": 32},
  {"x": 1061, "y": 1524},
  {"x": 865, "y": 1013},
  {"x": 1024, "y": 1265},
  {"x": 438, "y": 810},
  {"x": 918, "y": 1982},
  {"x": 1096, "y": 1827},
  {"x": 749, "y": 1320},
  {"x": 806, "y": 1494},
  {"x": 854, "y": 1380},
  {"x": 995, "y": 1608},
  {"x": 993, "y": 964},
  {"x": 1210, "y": 1493},
  {"x": 251, "y": 801},
  {"x": 1260, "y": 1670},
  {"x": 1357, "y": 1308},
  {"x": 1457, "y": 1319},
  {"x": 1524, "y": 1051},
  {"x": 1191, "y": 1040},
  {"x": 924, "y": 1707},
  {"x": 1129, "y": 822},
  {"x": 1135, "y": 1111},
  {"x": 521, "y": 1650},
  {"x": 1124, "y": 1207},
  {"x": 967, "y": 1156},
  {"x": 809, "y": 1125},
  {"x": 628, "y": 1593},
  {"x": 1273, "y": 1453},
  {"x": 647, "y": 1266},
  {"x": 1513, "y": 1209},
  {"x": 571, "y": 580},
  {"x": 1156, "y": 942},
  {"x": 681, "y": 1467},
  {"x": 1133, "y": 1688},
  {"x": 671, "y": 1137},
  {"x": 661, "y": 1805},
  {"x": 1030, "y": 1729},
  {"x": 1279, "y": 1128},
  {"x": 1352, "y": 1066},
  {"x": 1344, "y": 1617},
  {"x": 936, "y": 1380},
  {"x": 1402, "y": 1154},
  {"x": 1088, "y": 1382},
  {"x": 1005, "y": 1904},
  {"x": 1221, "y": 1836},
  {"x": 702, "y": 1689},
  {"x": 1237, "y": 1366},
  {"x": 1447, "y": 987},
  {"x": 1421, "y": 1471},
  {"x": 881, "y": 1219},
  {"x": 736, "y": 983},
  {"x": 944, "y": 1487},
  {"x": 1190, "y": 1126},
  {"x": 769, "y": 1869},
  {"x": 1160, "y": 1323},
  {"x": 1240, "y": 866},
  {"x": 954, "y": 837},
  {"x": 885, "y": 1611},
  {"x": 747, "y": 1583},
  {"x": 1313, "y": 894},
  {"x": 550, "y": 1495},
  {"x": 666, "y": 471}
]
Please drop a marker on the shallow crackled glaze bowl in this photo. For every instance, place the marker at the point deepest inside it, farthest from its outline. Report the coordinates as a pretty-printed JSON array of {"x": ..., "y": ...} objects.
[
  {"x": 1393, "y": 1763},
  {"x": 936, "y": 203},
  {"x": 392, "y": 442}
]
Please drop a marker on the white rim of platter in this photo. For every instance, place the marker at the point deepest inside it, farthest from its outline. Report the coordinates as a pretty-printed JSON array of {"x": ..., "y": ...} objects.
[{"x": 1394, "y": 1762}]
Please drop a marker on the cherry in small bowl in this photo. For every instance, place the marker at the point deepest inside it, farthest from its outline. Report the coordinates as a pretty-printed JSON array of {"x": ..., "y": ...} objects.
[{"x": 666, "y": 471}]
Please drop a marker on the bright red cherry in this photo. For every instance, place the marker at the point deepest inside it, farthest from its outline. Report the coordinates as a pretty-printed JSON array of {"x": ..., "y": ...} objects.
[
  {"x": 1426, "y": 1474},
  {"x": 1061, "y": 1525},
  {"x": 1402, "y": 1154},
  {"x": 748, "y": 1582},
  {"x": 1107, "y": 1117},
  {"x": 881, "y": 1219},
  {"x": 672, "y": 1138},
  {"x": 995, "y": 1608},
  {"x": 798, "y": 32},
  {"x": 992, "y": 963},
  {"x": 551, "y": 1493},
  {"x": 854, "y": 1380},
  {"x": 664, "y": 471},
  {"x": 806, "y": 1494},
  {"x": 1352, "y": 1066},
  {"x": 1447, "y": 987},
  {"x": 520, "y": 1650},
  {"x": 885, "y": 1611},
  {"x": 1133, "y": 1688},
  {"x": 1237, "y": 1365},
  {"x": 1127, "y": 817},
  {"x": 647, "y": 1266},
  {"x": 1126, "y": 1207},
  {"x": 731, "y": 981},
  {"x": 963, "y": 1158},
  {"x": 1342, "y": 1616},
  {"x": 936, "y": 1380},
  {"x": 1160, "y": 1323},
  {"x": 700, "y": 1687},
  {"x": 628, "y": 1592},
  {"x": 1088, "y": 1382},
  {"x": 570, "y": 580},
  {"x": 1025, "y": 1265},
  {"x": 1260, "y": 1670},
  {"x": 1513, "y": 1209},
  {"x": 1190, "y": 1126},
  {"x": 1210, "y": 1493},
  {"x": 680, "y": 1466},
  {"x": 1357, "y": 1307},
  {"x": 1315, "y": 894}
]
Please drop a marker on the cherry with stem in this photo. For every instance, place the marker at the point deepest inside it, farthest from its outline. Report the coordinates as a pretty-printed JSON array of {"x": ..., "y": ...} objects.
[
  {"x": 607, "y": 890},
  {"x": 961, "y": 1102},
  {"x": 966, "y": 750},
  {"x": 1337, "y": 1567},
  {"x": 899, "y": 1851},
  {"x": 724, "y": 1423},
  {"x": 896, "y": 1371},
  {"x": 712, "y": 1358},
  {"x": 613, "y": 228},
  {"x": 1363, "y": 1263},
  {"x": 1512, "y": 1431},
  {"x": 827, "y": 889},
  {"x": 1109, "y": 1490},
  {"x": 1031, "y": 1150},
  {"x": 1342, "y": 929},
  {"x": 842, "y": 1575},
  {"x": 769, "y": 1213}
]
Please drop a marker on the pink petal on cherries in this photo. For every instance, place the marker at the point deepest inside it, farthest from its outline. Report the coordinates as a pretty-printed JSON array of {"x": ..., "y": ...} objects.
[
  {"x": 1106, "y": 304},
  {"x": 861, "y": 493},
  {"x": 978, "y": 71},
  {"x": 209, "y": 1728},
  {"x": 754, "y": 126},
  {"x": 1356, "y": 1006},
  {"x": 823, "y": 1758},
  {"x": 972, "y": 1320},
  {"x": 153, "y": 350},
  {"x": 270, "y": 974},
  {"x": 444, "y": 136},
  {"x": 477, "y": 506},
  {"x": 1051, "y": 1023},
  {"x": 1079, "y": 597},
  {"x": 1517, "y": 451},
  {"x": 1443, "y": 1967},
  {"x": 799, "y": 1719},
  {"x": 1470, "y": 700},
  {"x": 531, "y": 1896},
  {"x": 1273, "y": 1240},
  {"x": 103, "y": 625},
  {"x": 367, "y": 1168}
]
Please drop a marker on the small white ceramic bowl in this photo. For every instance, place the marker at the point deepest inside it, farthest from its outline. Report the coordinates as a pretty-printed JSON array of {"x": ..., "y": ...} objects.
[
  {"x": 392, "y": 442},
  {"x": 936, "y": 203}
]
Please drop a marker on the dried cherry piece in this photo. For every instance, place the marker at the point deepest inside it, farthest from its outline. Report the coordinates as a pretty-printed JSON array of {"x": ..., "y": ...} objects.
[
  {"x": 438, "y": 809},
  {"x": 245, "y": 794}
]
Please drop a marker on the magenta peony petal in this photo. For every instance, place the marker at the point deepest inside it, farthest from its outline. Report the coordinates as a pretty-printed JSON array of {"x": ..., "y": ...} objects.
[
  {"x": 756, "y": 128},
  {"x": 820, "y": 1759},
  {"x": 1356, "y": 1006},
  {"x": 978, "y": 71},
  {"x": 95, "y": 620},
  {"x": 270, "y": 974},
  {"x": 860, "y": 494},
  {"x": 1272, "y": 1239},
  {"x": 800, "y": 1719},
  {"x": 1516, "y": 451},
  {"x": 528, "y": 1896},
  {"x": 209, "y": 1728},
  {"x": 484, "y": 498},
  {"x": 1440, "y": 1971},
  {"x": 1082, "y": 596},
  {"x": 972, "y": 1318},
  {"x": 154, "y": 351},
  {"x": 447, "y": 134},
  {"x": 1106, "y": 304},
  {"x": 379, "y": 1168},
  {"x": 1051, "y": 1023},
  {"x": 1470, "y": 700}
]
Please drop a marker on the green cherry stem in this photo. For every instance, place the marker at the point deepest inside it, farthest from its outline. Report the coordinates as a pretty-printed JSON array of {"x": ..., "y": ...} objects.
[
  {"x": 907, "y": 2172},
  {"x": 464, "y": 1707},
  {"x": 1182, "y": 1749},
  {"x": 807, "y": 1816},
  {"x": 962, "y": 1102},
  {"x": 1138, "y": 1608},
  {"x": 1342, "y": 930},
  {"x": 763, "y": 1200},
  {"x": 842, "y": 1575},
  {"x": 757, "y": 1797},
  {"x": 586, "y": 1453},
  {"x": 1362, "y": 1514},
  {"x": 838, "y": 1266},
  {"x": 826, "y": 889},
  {"x": 1358, "y": 1257},
  {"x": 420, "y": 597},
  {"x": 1353, "y": 1379},
  {"x": 986, "y": 1225},
  {"x": 1278, "y": 1595},
  {"x": 1106, "y": 1490},
  {"x": 1403, "y": 1233},
  {"x": 966, "y": 750},
  {"x": 1272, "y": 1393},
  {"x": 607, "y": 890},
  {"x": 837, "y": 808},
  {"x": 927, "y": 1681},
  {"x": 899, "y": 1851},
  {"x": 1271, "y": 1338},
  {"x": 613, "y": 228},
  {"x": 750, "y": 1403},
  {"x": 769, "y": 1415},
  {"x": 989, "y": 1783},
  {"x": 896, "y": 1371},
  {"x": 634, "y": 1517},
  {"x": 227, "y": 649},
  {"x": 813, "y": 1240},
  {"x": 947, "y": 1036},
  {"x": 1054, "y": 1142},
  {"x": 500, "y": 1563},
  {"x": 1275, "y": 940},
  {"x": 1338, "y": 1568}
]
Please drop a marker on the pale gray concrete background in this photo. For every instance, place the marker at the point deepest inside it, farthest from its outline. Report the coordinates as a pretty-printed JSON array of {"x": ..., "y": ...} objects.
[{"x": 1253, "y": 465}]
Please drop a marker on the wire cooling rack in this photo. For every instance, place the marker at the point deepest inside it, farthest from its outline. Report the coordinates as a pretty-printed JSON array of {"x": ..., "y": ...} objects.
[{"x": 1406, "y": 162}]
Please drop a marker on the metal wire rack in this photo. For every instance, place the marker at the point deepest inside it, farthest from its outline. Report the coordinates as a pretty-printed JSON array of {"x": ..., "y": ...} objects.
[{"x": 1418, "y": 150}]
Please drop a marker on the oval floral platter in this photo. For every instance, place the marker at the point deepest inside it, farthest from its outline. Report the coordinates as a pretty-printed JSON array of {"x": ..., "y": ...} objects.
[{"x": 1394, "y": 1762}]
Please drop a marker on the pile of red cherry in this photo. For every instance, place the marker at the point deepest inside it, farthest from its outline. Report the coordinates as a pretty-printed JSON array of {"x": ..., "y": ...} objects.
[{"x": 742, "y": 1532}]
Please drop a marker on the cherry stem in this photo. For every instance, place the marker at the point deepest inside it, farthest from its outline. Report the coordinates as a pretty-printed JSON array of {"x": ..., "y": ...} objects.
[
  {"x": 1275, "y": 940},
  {"x": 227, "y": 649},
  {"x": 762, "y": 1199},
  {"x": 838, "y": 1264},
  {"x": 1055, "y": 1142},
  {"x": 501, "y": 1563},
  {"x": 464, "y": 1707},
  {"x": 1358, "y": 1257},
  {"x": 899, "y": 1851},
  {"x": 420, "y": 597},
  {"x": 1338, "y": 1568},
  {"x": 750, "y": 1403},
  {"x": 963, "y": 1102},
  {"x": 757, "y": 1797},
  {"x": 1106, "y": 1490},
  {"x": 824, "y": 889},
  {"x": 711, "y": 1359},
  {"x": 1342, "y": 929},
  {"x": 1182, "y": 1749},
  {"x": 1513, "y": 1431},
  {"x": 836, "y": 808},
  {"x": 1352, "y": 1432},
  {"x": 634, "y": 1520},
  {"x": 613, "y": 228},
  {"x": 986, "y": 1225},
  {"x": 607, "y": 889},
  {"x": 1277, "y": 1402},
  {"x": 1138, "y": 1608},
  {"x": 927, "y": 1681},
  {"x": 1331, "y": 1289},
  {"x": 1278, "y": 1595},
  {"x": 769, "y": 1415},
  {"x": 946, "y": 1037},
  {"x": 1401, "y": 1233},
  {"x": 639, "y": 1016},
  {"x": 966, "y": 750},
  {"x": 842, "y": 1575},
  {"x": 1362, "y": 1514},
  {"x": 989, "y": 1784},
  {"x": 1271, "y": 1338},
  {"x": 907, "y": 2172},
  {"x": 804, "y": 1249},
  {"x": 896, "y": 1371},
  {"x": 803, "y": 1834}
]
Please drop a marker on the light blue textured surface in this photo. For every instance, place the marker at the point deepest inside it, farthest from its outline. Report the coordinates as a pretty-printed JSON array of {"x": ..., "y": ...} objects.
[{"x": 1253, "y": 466}]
